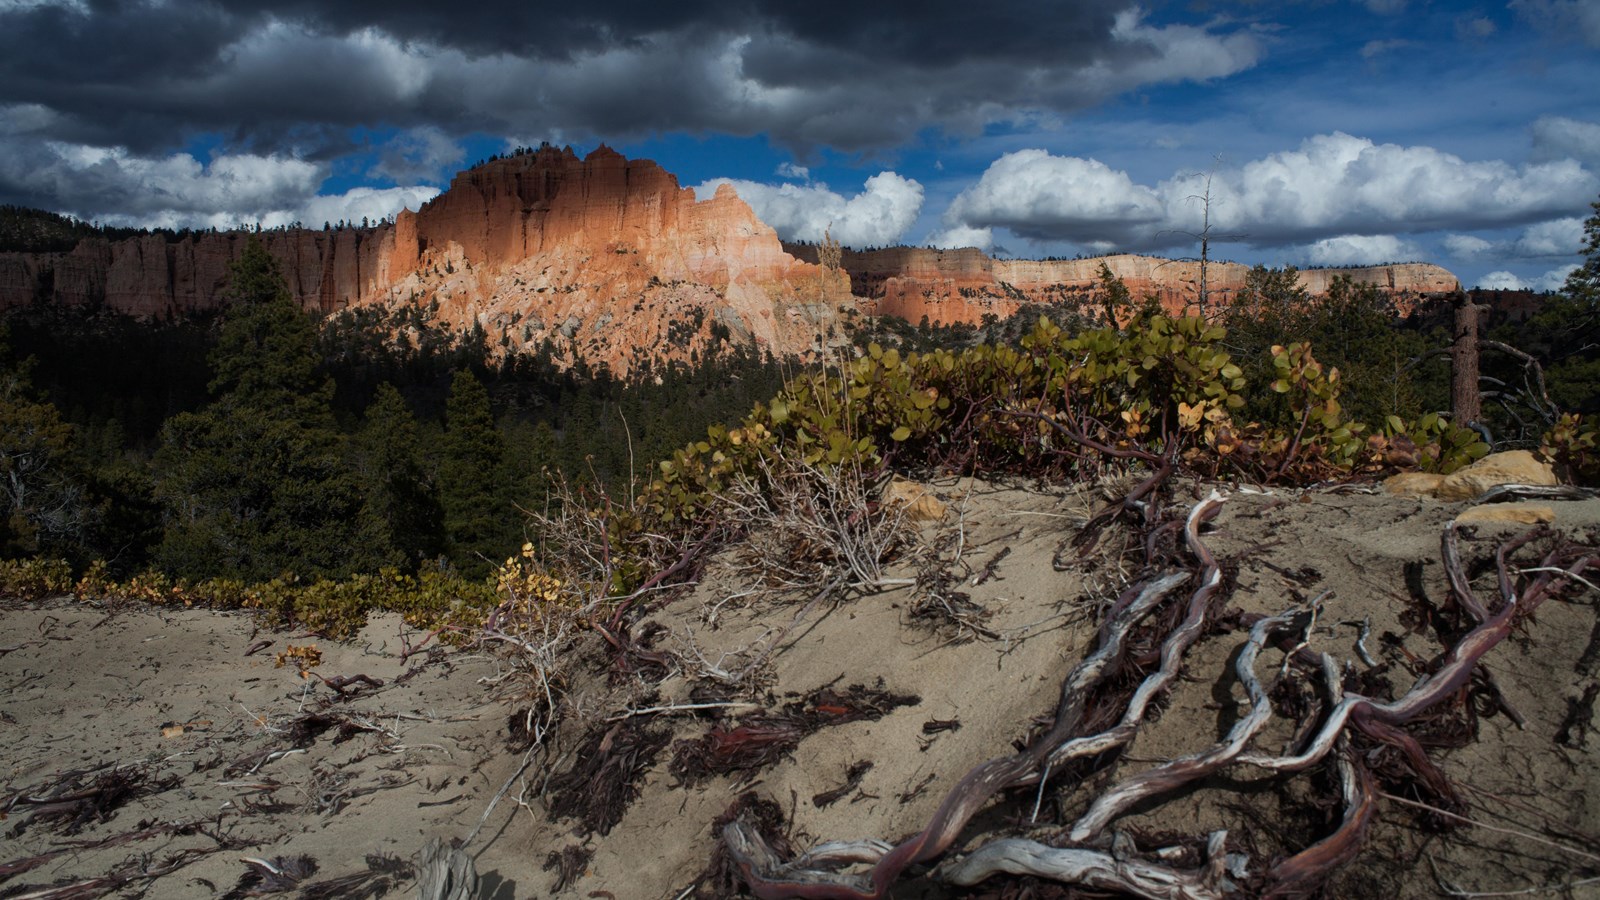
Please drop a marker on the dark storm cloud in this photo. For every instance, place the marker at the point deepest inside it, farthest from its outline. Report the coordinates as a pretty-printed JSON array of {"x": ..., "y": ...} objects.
[
  {"x": 905, "y": 30},
  {"x": 281, "y": 81},
  {"x": 105, "y": 43},
  {"x": 854, "y": 75}
]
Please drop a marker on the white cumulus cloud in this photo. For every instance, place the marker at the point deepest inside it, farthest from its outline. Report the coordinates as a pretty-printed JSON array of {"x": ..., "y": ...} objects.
[
  {"x": 115, "y": 186},
  {"x": 419, "y": 154},
  {"x": 1554, "y": 279},
  {"x": 1467, "y": 246},
  {"x": 963, "y": 236},
  {"x": 1359, "y": 250},
  {"x": 356, "y": 204},
  {"x": 1501, "y": 281},
  {"x": 1037, "y": 195},
  {"x": 1332, "y": 186},
  {"x": 1555, "y": 238},
  {"x": 1558, "y": 237},
  {"x": 878, "y": 216}
]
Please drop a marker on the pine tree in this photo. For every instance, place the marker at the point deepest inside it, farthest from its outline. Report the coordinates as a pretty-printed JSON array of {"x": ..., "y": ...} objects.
[
  {"x": 400, "y": 492},
  {"x": 266, "y": 355},
  {"x": 254, "y": 484},
  {"x": 1583, "y": 283},
  {"x": 478, "y": 519},
  {"x": 1115, "y": 300},
  {"x": 44, "y": 508}
]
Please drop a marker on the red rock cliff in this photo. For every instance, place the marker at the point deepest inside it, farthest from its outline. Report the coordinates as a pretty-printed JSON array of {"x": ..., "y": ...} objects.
[
  {"x": 603, "y": 257},
  {"x": 610, "y": 260},
  {"x": 950, "y": 286}
]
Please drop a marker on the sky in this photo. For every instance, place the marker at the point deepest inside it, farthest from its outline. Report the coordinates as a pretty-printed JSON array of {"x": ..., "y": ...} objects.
[{"x": 1295, "y": 133}]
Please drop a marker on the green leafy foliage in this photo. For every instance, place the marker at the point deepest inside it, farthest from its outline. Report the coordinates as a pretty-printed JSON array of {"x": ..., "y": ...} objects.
[
  {"x": 1355, "y": 330},
  {"x": 305, "y": 471},
  {"x": 1583, "y": 283},
  {"x": 1438, "y": 444},
  {"x": 1116, "y": 302},
  {"x": 334, "y": 608},
  {"x": 1573, "y": 445},
  {"x": 43, "y": 502},
  {"x": 45, "y": 507}
]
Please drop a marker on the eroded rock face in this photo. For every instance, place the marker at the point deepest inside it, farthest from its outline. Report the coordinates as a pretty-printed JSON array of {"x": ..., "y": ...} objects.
[
  {"x": 154, "y": 276},
  {"x": 514, "y": 246},
  {"x": 949, "y": 286},
  {"x": 627, "y": 264},
  {"x": 609, "y": 260}
]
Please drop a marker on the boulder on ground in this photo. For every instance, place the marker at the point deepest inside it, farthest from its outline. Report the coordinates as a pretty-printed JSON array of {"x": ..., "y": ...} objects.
[
  {"x": 1510, "y": 467},
  {"x": 1413, "y": 484},
  {"x": 920, "y": 504}
]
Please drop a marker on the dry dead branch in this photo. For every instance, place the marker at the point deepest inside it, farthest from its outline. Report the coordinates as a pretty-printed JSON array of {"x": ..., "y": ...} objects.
[{"x": 813, "y": 524}]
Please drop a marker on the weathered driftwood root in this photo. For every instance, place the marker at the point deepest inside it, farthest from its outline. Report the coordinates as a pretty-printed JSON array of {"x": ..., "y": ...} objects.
[
  {"x": 1093, "y": 868},
  {"x": 817, "y": 875},
  {"x": 1178, "y": 772},
  {"x": 1454, "y": 671},
  {"x": 1298, "y": 874},
  {"x": 771, "y": 878}
]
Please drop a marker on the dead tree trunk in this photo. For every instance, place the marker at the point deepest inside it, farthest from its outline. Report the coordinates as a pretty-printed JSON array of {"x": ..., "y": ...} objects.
[{"x": 1466, "y": 405}]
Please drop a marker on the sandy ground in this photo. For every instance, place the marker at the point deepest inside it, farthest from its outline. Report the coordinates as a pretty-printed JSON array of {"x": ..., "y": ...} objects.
[
  {"x": 222, "y": 756},
  {"x": 208, "y": 735}
]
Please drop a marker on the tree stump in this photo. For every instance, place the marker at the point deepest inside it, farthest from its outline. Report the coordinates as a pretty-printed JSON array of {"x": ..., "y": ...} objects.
[{"x": 1466, "y": 405}]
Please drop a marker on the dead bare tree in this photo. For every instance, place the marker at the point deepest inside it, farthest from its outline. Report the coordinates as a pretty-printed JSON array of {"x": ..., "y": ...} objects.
[
  {"x": 1204, "y": 236},
  {"x": 829, "y": 254}
]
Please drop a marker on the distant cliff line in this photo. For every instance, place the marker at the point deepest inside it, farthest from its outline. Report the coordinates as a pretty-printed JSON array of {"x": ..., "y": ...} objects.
[
  {"x": 964, "y": 285},
  {"x": 610, "y": 260},
  {"x": 161, "y": 274}
]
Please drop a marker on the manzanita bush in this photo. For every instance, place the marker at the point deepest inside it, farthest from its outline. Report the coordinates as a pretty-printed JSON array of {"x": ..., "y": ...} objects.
[{"x": 1163, "y": 385}]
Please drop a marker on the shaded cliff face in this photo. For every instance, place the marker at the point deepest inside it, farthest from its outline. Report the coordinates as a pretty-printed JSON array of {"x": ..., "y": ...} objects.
[
  {"x": 601, "y": 257},
  {"x": 949, "y": 286},
  {"x": 154, "y": 276}
]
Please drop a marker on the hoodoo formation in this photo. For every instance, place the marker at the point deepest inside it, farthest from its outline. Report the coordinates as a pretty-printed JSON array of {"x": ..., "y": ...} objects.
[{"x": 610, "y": 260}]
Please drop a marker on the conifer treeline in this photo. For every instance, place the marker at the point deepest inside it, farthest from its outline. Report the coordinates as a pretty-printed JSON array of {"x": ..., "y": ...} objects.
[{"x": 257, "y": 441}]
